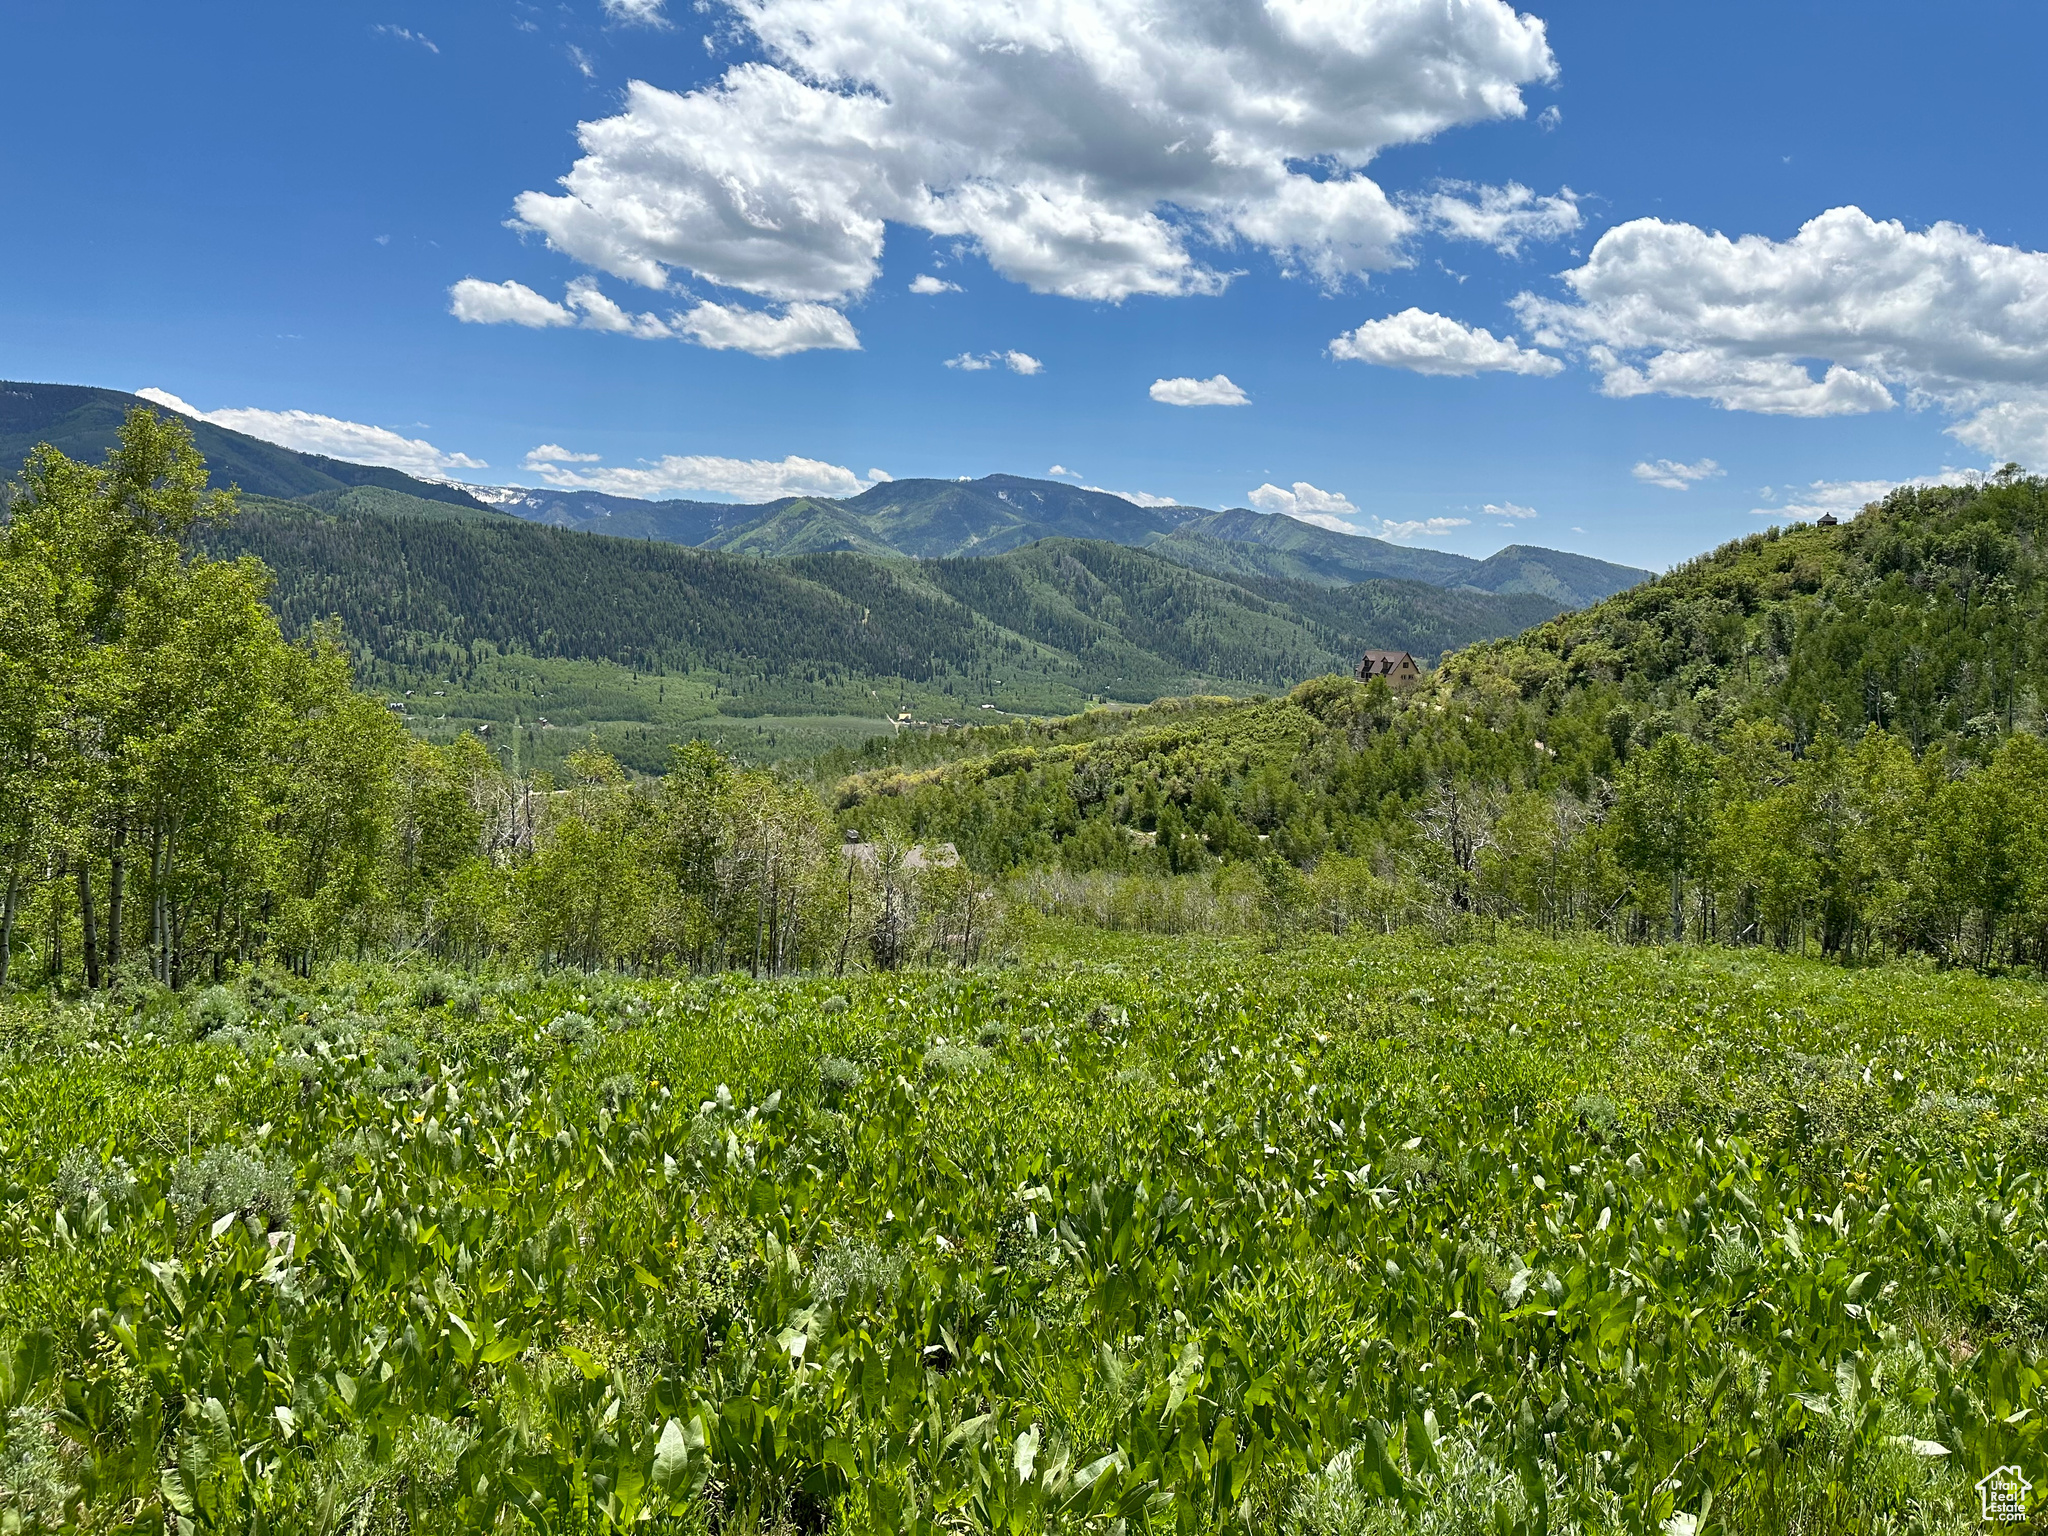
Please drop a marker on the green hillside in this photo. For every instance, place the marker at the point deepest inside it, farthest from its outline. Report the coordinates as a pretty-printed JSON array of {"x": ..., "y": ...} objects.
[
  {"x": 1812, "y": 735},
  {"x": 496, "y": 620},
  {"x": 83, "y": 421},
  {"x": 1243, "y": 542},
  {"x": 1923, "y": 615},
  {"x": 937, "y": 519}
]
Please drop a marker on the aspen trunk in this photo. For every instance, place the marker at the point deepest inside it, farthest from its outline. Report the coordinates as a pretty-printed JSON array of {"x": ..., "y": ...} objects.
[
  {"x": 7, "y": 922},
  {"x": 117, "y": 872},
  {"x": 89, "y": 937},
  {"x": 56, "y": 967}
]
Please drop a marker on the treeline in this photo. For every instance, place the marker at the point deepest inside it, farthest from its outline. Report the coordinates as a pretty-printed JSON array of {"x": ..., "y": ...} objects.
[
  {"x": 183, "y": 790},
  {"x": 394, "y": 581},
  {"x": 409, "y": 581},
  {"x": 1341, "y": 807}
]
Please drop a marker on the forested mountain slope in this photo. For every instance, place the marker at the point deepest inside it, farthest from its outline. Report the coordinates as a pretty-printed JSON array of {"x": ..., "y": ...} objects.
[
  {"x": 936, "y": 519},
  {"x": 1245, "y": 542},
  {"x": 926, "y": 519},
  {"x": 83, "y": 421},
  {"x": 1923, "y": 615},
  {"x": 1832, "y": 735},
  {"x": 428, "y": 588}
]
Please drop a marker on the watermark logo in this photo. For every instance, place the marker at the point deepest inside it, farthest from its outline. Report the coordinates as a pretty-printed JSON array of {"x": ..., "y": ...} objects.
[{"x": 2002, "y": 1495}]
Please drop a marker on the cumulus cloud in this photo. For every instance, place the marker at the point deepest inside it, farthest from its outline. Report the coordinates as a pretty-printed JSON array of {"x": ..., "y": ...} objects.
[
  {"x": 721, "y": 327},
  {"x": 1303, "y": 498},
  {"x": 1502, "y": 217},
  {"x": 2012, "y": 429},
  {"x": 925, "y": 282},
  {"x": 1139, "y": 498},
  {"x": 555, "y": 453},
  {"x": 1940, "y": 316},
  {"x": 1082, "y": 149},
  {"x": 1216, "y": 391},
  {"x": 1306, "y": 503},
  {"x": 799, "y": 328},
  {"x": 981, "y": 362},
  {"x": 1061, "y": 469},
  {"x": 1429, "y": 343},
  {"x": 601, "y": 313},
  {"x": 352, "y": 441},
  {"x": 508, "y": 303},
  {"x": 1674, "y": 476},
  {"x": 1420, "y": 528},
  {"x": 1507, "y": 509},
  {"x": 702, "y": 474},
  {"x": 1846, "y": 498}
]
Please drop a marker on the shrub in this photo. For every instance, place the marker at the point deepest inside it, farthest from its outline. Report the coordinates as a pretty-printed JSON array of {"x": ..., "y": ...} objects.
[
  {"x": 943, "y": 1061},
  {"x": 215, "y": 1009},
  {"x": 224, "y": 1181}
]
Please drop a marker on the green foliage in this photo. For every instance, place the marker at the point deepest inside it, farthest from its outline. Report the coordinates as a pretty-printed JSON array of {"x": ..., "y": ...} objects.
[
  {"x": 1684, "y": 760},
  {"x": 461, "y": 609},
  {"x": 1367, "y": 1237}
]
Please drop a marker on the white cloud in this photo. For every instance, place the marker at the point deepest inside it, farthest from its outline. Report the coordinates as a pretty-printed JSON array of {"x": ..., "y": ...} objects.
[
  {"x": 404, "y": 35},
  {"x": 646, "y": 13},
  {"x": 1507, "y": 509},
  {"x": 1420, "y": 528},
  {"x": 1306, "y": 503},
  {"x": 1547, "y": 120},
  {"x": 602, "y": 314},
  {"x": 352, "y": 441},
  {"x": 799, "y": 328},
  {"x": 1428, "y": 343},
  {"x": 721, "y": 327},
  {"x": 1081, "y": 148},
  {"x": 1135, "y": 498},
  {"x": 1845, "y": 498},
  {"x": 1061, "y": 469},
  {"x": 1941, "y": 315},
  {"x": 1016, "y": 362},
  {"x": 739, "y": 479},
  {"x": 582, "y": 62},
  {"x": 555, "y": 453},
  {"x": 1673, "y": 475},
  {"x": 507, "y": 303},
  {"x": 2014, "y": 429},
  {"x": 924, "y": 282},
  {"x": 1216, "y": 391},
  {"x": 1502, "y": 217}
]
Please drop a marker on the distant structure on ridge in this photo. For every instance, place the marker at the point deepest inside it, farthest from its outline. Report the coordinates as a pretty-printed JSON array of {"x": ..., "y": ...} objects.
[{"x": 1397, "y": 667}]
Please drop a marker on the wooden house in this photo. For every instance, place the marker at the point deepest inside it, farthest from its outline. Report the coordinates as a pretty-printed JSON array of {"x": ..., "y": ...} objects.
[{"x": 1397, "y": 667}]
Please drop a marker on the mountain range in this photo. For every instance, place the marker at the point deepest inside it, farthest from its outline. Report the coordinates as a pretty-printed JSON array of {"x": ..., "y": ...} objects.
[
  {"x": 923, "y": 519},
  {"x": 781, "y": 626},
  {"x": 942, "y": 519}
]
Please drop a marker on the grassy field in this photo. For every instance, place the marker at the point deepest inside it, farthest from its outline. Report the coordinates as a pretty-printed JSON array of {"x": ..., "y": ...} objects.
[
  {"x": 553, "y": 707},
  {"x": 1130, "y": 1235}
]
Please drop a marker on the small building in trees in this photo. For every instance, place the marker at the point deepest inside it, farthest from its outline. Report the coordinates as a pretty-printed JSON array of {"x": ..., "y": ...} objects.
[{"x": 1397, "y": 667}]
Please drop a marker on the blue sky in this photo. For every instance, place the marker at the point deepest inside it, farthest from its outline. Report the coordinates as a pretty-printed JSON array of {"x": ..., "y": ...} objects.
[{"x": 284, "y": 209}]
